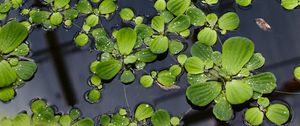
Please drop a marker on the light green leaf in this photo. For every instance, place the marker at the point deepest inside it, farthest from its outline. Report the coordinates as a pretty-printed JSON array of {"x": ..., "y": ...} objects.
[
  {"x": 71, "y": 14},
  {"x": 104, "y": 120},
  {"x": 82, "y": 39},
  {"x": 130, "y": 59},
  {"x": 6, "y": 94},
  {"x": 202, "y": 51},
  {"x": 118, "y": 120},
  {"x": 160, "y": 5},
  {"x": 196, "y": 78},
  {"x": 56, "y": 18},
  {"x": 22, "y": 120},
  {"x": 210, "y": 2},
  {"x": 166, "y": 78},
  {"x": 84, "y": 122},
  {"x": 175, "y": 70},
  {"x": 7, "y": 74},
  {"x": 238, "y": 92},
  {"x": 158, "y": 24},
  {"x": 126, "y": 14},
  {"x": 197, "y": 16},
  {"x": 108, "y": 69},
  {"x": 207, "y": 36},
  {"x": 11, "y": 36},
  {"x": 229, "y": 21},
  {"x": 179, "y": 24},
  {"x": 145, "y": 55},
  {"x": 254, "y": 116},
  {"x": 256, "y": 61},
  {"x": 175, "y": 121},
  {"x": 167, "y": 16},
  {"x": 297, "y": 73},
  {"x": 107, "y": 7},
  {"x": 175, "y": 47},
  {"x": 143, "y": 31},
  {"x": 194, "y": 65},
  {"x": 127, "y": 77},
  {"x": 65, "y": 120},
  {"x": 126, "y": 39},
  {"x": 143, "y": 111},
  {"x": 217, "y": 58},
  {"x": 263, "y": 83},
  {"x": 161, "y": 118},
  {"x": 39, "y": 17},
  {"x": 146, "y": 81},
  {"x": 159, "y": 45},
  {"x": 223, "y": 110},
  {"x": 92, "y": 20},
  {"x": 263, "y": 102},
  {"x": 25, "y": 69},
  {"x": 104, "y": 44},
  {"x": 61, "y": 3},
  {"x": 16, "y": 3},
  {"x": 204, "y": 93},
  {"x": 93, "y": 96},
  {"x": 278, "y": 114},
  {"x": 5, "y": 122},
  {"x": 243, "y": 2},
  {"x": 212, "y": 19},
  {"x": 84, "y": 6},
  {"x": 236, "y": 52},
  {"x": 289, "y": 4},
  {"x": 5, "y": 6},
  {"x": 181, "y": 59},
  {"x": 178, "y": 7}
]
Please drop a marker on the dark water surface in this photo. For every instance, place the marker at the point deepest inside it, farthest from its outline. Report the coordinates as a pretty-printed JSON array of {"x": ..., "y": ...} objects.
[{"x": 63, "y": 68}]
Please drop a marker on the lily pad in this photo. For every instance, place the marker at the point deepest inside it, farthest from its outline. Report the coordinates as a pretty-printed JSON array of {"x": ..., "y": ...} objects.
[
  {"x": 238, "y": 92},
  {"x": 159, "y": 45},
  {"x": 207, "y": 36},
  {"x": 254, "y": 116},
  {"x": 204, "y": 93},
  {"x": 161, "y": 118},
  {"x": 126, "y": 39},
  {"x": 143, "y": 111},
  {"x": 229, "y": 21},
  {"x": 263, "y": 83},
  {"x": 178, "y": 7},
  {"x": 179, "y": 24},
  {"x": 108, "y": 69},
  {"x": 7, "y": 74},
  {"x": 25, "y": 69},
  {"x": 11, "y": 36},
  {"x": 278, "y": 114},
  {"x": 194, "y": 65},
  {"x": 236, "y": 52}
]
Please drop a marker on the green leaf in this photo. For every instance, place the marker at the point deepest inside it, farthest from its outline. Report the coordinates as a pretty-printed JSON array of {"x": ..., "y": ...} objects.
[
  {"x": 82, "y": 39},
  {"x": 74, "y": 113},
  {"x": 289, "y": 4},
  {"x": 5, "y": 122},
  {"x": 297, "y": 73},
  {"x": 207, "y": 36},
  {"x": 159, "y": 45},
  {"x": 175, "y": 121},
  {"x": 84, "y": 122},
  {"x": 22, "y": 120},
  {"x": 119, "y": 120},
  {"x": 143, "y": 31},
  {"x": 160, "y": 5},
  {"x": 126, "y": 14},
  {"x": 37, "y": 105},
  {"x": 71, "y": 14},
  {"x": 210, "y": 2},
  {"x": 236, "y": 52},
  {"x": 264, "y": 102},
  {"x": 39, "y": 17},
  {"x": 202, "y": 51},
  {"x": 130, "y": 59},
  {"x": 5, "y": 6},
  {"x": 56, "y": 18},
  {"x": 178, "y": 7},
  {"x": 256, "y": 61},
  {"x": 11, "y": 36},
  {"x": 65, "y": 120},
  {"x": 238, "y": 92},
  {"x": 93, "y": 96},
  {"x": 161, "y": 118},
  {"x": 194, "y": 65},
  {"x": 158, "y": 24},
  {"x": 166, "y": 78},
  {"x": 61, "y": 3},
  {"x": 127, "y": 77},
  {"x": 104, "y": 120},
  {"x": 217, "y": 58},
  {"x": 145, "y": 55},
  {"x": 146, "y": 81},
  {"x": 223, "y": 110},
  {"x": 126, "y": 39},
  {"x": 212, "y": 19},
  {"x": 254, "y": 116},
  {"x": 197, "y": 16},
  {"x": 278, "y": 114},
  {"x": 196, "y": 78},
  {"x": 204, "y": 93},
  {"x": 7, "y": 74},
  {"x": 229, "y": 21},
  {"x": 179, "y": 24},
  {"x": 181, "y": 59},
  {"x": 175, "y": 70},
  {"x": 167, "y": 16},
  {"x": 143, "y": 111},
  {"x": 92, "y": 20},
  {"x": 6, "y": 94},
  {"x": 107, "y": 7},
  {"x": 243, "y": 2},
  {"x": 175, "y": 47},
  {"x": 108, "y": 69},
  {"x": 25, "y": 69},
  {"x": 263, "y": 83},
  {"x": 104, "y": 44},
  {"x": 84, "y": 6}
]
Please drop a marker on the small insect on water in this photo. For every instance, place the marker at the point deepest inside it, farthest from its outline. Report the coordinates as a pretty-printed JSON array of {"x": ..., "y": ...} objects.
[{"x": 262, "y": 24}]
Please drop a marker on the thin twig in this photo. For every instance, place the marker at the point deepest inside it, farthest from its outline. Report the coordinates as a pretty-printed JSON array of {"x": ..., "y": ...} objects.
[
  {"x": 289, "y": 93},
  {"x": 188, "y": 111}
]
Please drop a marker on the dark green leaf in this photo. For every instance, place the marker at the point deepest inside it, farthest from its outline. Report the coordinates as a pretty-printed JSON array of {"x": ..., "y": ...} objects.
[
  {"x": 161, "y": 118},
  {"x": 179, "y": 24},
  {"x": 7, "y": 74},
  {"x": 25, "y": 69},
  {"x": 108, "y": 69}
]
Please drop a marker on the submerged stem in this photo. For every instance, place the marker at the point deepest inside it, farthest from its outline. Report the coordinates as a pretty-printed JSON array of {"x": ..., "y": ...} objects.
[
  {"x": 126, "y": 100},
  {"x": 289, "y": 93}
]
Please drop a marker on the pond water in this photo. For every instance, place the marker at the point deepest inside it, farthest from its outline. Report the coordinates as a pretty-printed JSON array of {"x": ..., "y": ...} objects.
[{"x": 63, "y": 68}]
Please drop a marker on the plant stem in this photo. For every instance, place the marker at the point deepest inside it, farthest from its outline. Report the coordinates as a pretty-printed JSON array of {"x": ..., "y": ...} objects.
[{"x": 289, "y": 93}]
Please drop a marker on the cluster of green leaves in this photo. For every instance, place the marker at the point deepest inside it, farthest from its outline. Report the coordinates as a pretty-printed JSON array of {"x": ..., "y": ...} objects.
[
  {"x": 7, "y": 5},
  {"x": 45, "y": 115},
  {"x": 226, "y": 78},
  {"x": 290, "y": 4},
  {"x": 276, "y": 113},
  {"x": 14, "y": 66},
  {"x": 143, "y": 113},
  {"x": 243, "y": 3}
]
